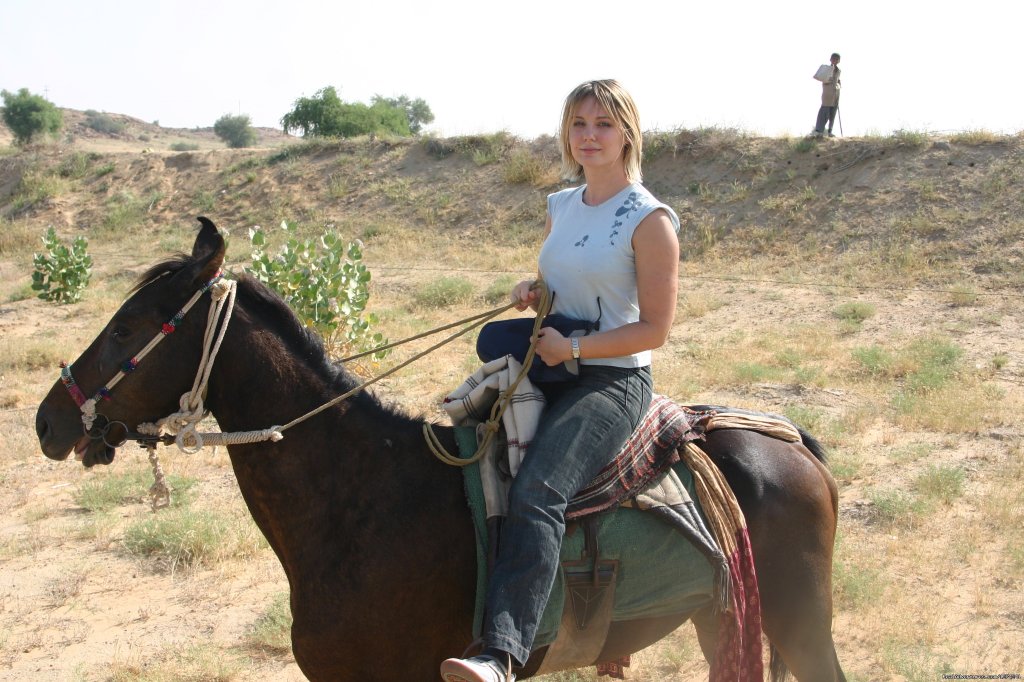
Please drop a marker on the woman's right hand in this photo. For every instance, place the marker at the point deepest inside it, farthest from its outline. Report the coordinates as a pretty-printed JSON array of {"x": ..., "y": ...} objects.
[{"x": 523, "y": 296}]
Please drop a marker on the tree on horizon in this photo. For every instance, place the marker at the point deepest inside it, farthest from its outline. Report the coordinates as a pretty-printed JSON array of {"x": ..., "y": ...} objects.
[
  {"x": 29, "y": 115},
  {"x": 325, "y": 114}
]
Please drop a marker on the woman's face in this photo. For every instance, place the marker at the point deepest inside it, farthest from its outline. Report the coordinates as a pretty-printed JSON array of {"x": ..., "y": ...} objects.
[{"x": 595, "y": 139}]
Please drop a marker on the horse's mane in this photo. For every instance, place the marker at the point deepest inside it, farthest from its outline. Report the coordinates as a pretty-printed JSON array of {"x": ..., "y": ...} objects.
[
  {"x": 305, "y": 343},
  {"x": 170, "y": 266},
  {"x": 301, "y": 340}
]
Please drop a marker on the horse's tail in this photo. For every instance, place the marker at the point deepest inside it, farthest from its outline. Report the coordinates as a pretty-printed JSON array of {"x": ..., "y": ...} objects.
[
  {"x": 814, "y": 445},
  {"x": 777, "y": 670}
]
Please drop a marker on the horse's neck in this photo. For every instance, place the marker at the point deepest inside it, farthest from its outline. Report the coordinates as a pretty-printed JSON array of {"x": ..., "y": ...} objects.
[{"x": 303, "y": 490}]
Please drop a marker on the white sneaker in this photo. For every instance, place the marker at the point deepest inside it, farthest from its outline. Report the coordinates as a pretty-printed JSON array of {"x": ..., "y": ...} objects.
[{"x": 476, "y": 669}]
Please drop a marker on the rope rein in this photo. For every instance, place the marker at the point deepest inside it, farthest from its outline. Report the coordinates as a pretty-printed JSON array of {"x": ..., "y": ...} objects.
[
  {"x": 182, "y": 424},
  {"x": 493, "y": 423}
]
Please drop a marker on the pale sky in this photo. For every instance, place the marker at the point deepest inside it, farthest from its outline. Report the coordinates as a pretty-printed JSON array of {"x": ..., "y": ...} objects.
[{"x": 485, "y": 66}]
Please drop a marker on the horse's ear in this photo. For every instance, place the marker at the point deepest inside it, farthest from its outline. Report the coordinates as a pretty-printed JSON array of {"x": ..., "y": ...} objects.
[{"x": 208, "y": 251}]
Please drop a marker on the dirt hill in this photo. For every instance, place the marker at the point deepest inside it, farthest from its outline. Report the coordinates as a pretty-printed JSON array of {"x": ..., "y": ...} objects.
[
  {"x": 868, "y": 288},
  {"x": 931, "y": 201}
]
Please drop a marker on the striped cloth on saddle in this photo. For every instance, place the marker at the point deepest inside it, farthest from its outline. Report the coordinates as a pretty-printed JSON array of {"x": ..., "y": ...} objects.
[{"x": 653, "y": 448}]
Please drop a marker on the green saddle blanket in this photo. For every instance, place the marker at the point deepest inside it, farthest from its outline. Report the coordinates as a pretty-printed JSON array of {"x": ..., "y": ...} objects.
[{"x": 660, "y": 573}]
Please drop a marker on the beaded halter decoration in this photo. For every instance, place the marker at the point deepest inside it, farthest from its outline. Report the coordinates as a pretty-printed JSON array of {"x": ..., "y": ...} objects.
[{"x": 88, "y": 405}]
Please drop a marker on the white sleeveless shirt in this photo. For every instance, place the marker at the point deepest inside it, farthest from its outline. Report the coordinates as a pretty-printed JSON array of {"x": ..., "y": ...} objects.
[{"x": 588, "y": 255}]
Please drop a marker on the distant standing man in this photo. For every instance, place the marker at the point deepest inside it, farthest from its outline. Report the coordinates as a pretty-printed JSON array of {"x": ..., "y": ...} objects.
[{"x": 829, "y": 99}]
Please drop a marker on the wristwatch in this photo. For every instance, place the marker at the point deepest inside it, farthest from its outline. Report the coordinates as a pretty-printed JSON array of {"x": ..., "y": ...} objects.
[{"x": 575, "y": 343}]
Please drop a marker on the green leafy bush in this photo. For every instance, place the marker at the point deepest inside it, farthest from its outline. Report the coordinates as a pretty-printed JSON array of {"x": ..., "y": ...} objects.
[
  {"x": 29, "y": 115},
  {"x": 325, "y": 282},
  {"x": 62, "y": 273},
  {"x": 236, "y": 131}
]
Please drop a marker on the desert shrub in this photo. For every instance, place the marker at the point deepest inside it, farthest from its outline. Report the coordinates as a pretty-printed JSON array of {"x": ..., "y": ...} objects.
[
  {"x": 499, "y": 289},
  {"x": 184, "y": 146},
  {"x": 804, "y": 145},
  {"x": 483, "y": 149},
  {"x": 76, "y": 165},
  {"x": 854, "y": 310},
  {"x": 754, "y": 372},
  {"x": 962, "y": 295},
  {"x": 205, "y": 201},
  {"x": 103, "y": 123},
  {"x": 305, "y": 148},
  {"x": 896, "y": 509},
  {"x": 439, "y": 148},
  {"x": 16, "y": 236},
  {"x": 488, "y": 149},
  {"x": 102, "y": 494},
  {"x": 445, "y": 291},
  {"x": 851, "y": 315},
  {"x": 658, "y": 143},
  {"x": 523, "y": 168},
  {"x": 188, "y": 538},
  {"x": 236, "y": 131},
  {"x": 856, "y": 586},
  {"x": 271, "y": 633},
  {"x": 931, "y": 363},
  {"x": 29, "y": 116},
  {"x": 125, "y": 210},
  {"x": 974, "y": 137},
  {"x": 35, "y": 188},
  {"x": 942, "y": 483},
  {"x": 177, "y": 663},
  {"x": 924, "y": 364},
  {"x": 324, "y": 281},
  {"x": 910, "y": 138},
  {"x": 61, "y": 273}
]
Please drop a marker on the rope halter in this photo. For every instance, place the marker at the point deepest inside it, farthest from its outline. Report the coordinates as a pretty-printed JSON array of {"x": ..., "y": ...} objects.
[{"x": 218, "y": 285}]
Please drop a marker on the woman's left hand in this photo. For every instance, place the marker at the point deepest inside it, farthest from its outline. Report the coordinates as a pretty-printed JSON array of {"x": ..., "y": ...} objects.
[{"x": 552, "y": 347}]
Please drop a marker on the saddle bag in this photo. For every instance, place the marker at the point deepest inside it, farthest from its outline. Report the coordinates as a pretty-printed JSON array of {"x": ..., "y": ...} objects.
[{"x": 512, "y": 337}]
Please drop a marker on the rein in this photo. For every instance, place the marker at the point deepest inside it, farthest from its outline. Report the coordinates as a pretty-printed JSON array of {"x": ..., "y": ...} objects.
[
  {"x": 180, "y": 426},
  {"x": 493, "y": 423}
]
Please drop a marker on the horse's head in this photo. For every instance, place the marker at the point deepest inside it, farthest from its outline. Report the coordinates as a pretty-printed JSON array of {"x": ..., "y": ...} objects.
[{"x": 150, "y": 390}]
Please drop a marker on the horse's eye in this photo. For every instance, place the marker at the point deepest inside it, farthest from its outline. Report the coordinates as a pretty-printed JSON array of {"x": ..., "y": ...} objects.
[{"x": 120, "y": 332}]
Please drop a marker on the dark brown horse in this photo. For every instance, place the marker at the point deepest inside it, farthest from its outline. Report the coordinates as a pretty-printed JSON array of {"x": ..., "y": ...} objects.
[{"x": 373, "y": 532}]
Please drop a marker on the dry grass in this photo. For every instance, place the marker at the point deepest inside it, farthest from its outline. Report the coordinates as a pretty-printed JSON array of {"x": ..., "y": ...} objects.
[{"x": 800, "y": 294}]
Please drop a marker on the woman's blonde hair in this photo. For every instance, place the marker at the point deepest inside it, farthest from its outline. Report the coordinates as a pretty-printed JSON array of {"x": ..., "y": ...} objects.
[{"x": 614, "y": 99}]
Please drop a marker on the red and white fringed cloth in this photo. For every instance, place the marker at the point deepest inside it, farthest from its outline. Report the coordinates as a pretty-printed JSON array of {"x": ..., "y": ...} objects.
[
  {"x": 738, "y": 653},
  {"x": 615, "y": 669}
]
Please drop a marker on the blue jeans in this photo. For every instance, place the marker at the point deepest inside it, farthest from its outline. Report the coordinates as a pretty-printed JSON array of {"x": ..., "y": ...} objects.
[
  {"x": 825, "y": 115},
  {"x": 584, "y": 426}
]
